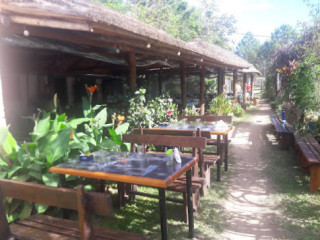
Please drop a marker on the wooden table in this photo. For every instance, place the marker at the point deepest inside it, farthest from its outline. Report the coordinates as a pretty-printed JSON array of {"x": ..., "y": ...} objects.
[
  {"x": 151, "y": 170},
  {"x": 213, "y": 131}
]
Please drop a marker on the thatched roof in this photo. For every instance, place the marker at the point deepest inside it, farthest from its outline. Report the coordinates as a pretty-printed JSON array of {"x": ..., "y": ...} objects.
[
  {"x": 251, "y": 69},
  {"x": 98, "y": 26},
  {"x": 220, "y": 53}
]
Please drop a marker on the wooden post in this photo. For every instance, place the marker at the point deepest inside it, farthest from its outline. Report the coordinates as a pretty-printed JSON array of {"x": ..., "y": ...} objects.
[
  {"x": 221, "y": 76},
  {"x": 202, "y": 102},
  {"x": 252, "y": 85},
  {"x": 244, "y": 90},
  {"x": 132, "y": 70},
  {"x": 183, "y": 85},
  {"x": 160, "y": 83},
  {"x": 235, "y": 79},
  {"x": 2, "y": 110}
]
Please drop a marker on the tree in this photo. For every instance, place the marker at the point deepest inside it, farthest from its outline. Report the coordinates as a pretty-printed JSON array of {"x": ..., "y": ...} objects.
[
  {"x": 179, "y": 19},
  {"x": 283, "y": 35},
  {"x": 248, "y": 48}
]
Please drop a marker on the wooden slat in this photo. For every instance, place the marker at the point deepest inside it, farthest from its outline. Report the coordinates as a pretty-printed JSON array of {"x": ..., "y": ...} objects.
[
  {"x": 158, "y": 131},
  {"x": 178, "y": 141},
  {"x": 98, "y": 203},
  {"x": 70, "y": 228}
]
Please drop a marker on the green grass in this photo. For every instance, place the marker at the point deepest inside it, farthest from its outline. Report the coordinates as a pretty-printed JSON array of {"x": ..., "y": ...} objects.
[{"x": 300, "y": 210}]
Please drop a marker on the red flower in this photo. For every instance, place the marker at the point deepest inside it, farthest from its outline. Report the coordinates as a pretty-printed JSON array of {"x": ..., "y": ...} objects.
[
  {"x": 92, "y": 88},
  {"x": 169, "y": 112}
]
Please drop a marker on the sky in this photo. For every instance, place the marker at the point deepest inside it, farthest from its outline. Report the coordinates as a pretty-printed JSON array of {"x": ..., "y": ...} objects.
[{"x": 262, "y": 17}]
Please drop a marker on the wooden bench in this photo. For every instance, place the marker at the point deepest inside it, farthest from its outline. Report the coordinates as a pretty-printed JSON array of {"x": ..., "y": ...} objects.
[
  {"x": 284, "y": 132},
  {"x": 205, "y": 160},
  {"x": 42, "y": 227},
  {"x": 174, "y": 141},
  {"x": 309, "y": 158}
]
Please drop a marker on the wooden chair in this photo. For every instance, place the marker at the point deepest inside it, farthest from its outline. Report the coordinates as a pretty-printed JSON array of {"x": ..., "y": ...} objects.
[
  {"x": 205, "y": 160},
  {"x": 42, "y": 227},
  {"x": 174, "y": 141}
]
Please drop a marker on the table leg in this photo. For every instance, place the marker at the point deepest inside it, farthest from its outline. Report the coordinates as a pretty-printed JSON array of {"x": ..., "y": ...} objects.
[
  {"x": 190, "y": 204},
  {"x": 226, "y": 148},
  {"x": 220, "y": 160},
  {"x": 163, "y": 214}
]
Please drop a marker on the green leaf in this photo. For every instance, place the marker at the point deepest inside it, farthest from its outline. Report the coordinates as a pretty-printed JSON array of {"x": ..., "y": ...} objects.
[
  {"x": 13, "y": 171},
  {"x": 101, "y": 117},
  {"x": 85, "y": 107},
  {"x": 26, "y": 211},
  {"x": 42, "y": 128},
  {"x": 51, "y": 179},
  {"x": 115, "y": 137},
  {"x": 122, "y": 129},
  {"x": 41, "y": 208},
  {"x": 60, "y": 145},
  {"x": 3, "y": 163},
  {"x": 75, "y": 122},
  {"x": 10, "y": 144},
  {"x": 3, "y": 134},
  {"x": 36, "y": 166},
  {"x": 36, "y": 175},
  {"x": 22, "y": 177},
  {"x": 14, "y": 205},
  {"x": 62, "y": 117},
  {"x": 3, "y": 174}
]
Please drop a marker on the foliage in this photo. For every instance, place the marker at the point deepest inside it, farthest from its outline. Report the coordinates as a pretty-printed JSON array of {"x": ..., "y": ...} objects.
[
  {"x": 54, "y": 139},
  {"x": 148, "y": 114},
  {"x": 179, "y": 19},
  {"x": 191, "y": 111},
  {"x": 248, "y": 47},
  {"x": 222, "y": 105}
]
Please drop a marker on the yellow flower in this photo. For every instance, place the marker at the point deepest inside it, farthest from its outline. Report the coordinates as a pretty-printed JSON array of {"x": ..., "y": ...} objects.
[{"x": 120, "y": 118}]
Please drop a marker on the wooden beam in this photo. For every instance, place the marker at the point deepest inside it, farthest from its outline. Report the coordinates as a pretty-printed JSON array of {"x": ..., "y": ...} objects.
[
  {"x": 202, "y": 102},
  {"x": 221, "y": 79},
  {"x": 244, "y": 89},
  {"x": 183, "y": 74},
  {"x": 132, "y": 70},
  {"x": 235, "y": 79},
  {"x": 252, "y": 85}
]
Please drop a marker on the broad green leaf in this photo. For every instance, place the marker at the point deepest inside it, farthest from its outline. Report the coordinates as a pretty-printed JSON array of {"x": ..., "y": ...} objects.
[
  {"x": 21, "y": 177},
  {"x": 36, "y": 166},
  {"x": 122, "y": 129},
  {"x": 71, "y": 178},
  {"x": 89, "y": 187},
  {"x": 60, "y": 145},
  {"x": 36, "y": 175},
  {"x": 26, "y": 211},
  {"x": 97, "y": 107},
  {"x": 13, "y": 170},
  {"x": 62, "y": 117},
  {"x": 101, "y": 117},
  {"x": 3, "y": 134},
  {"x": 42, "y": 128},
  {"x": 10, "y": 144},
  {"x": 115, "y": 137},
  {"x": 3, "y": 163},
  {"x": 3, "y": 174},
  {"x": 85, "y": 107},
  {"x": 41, "y": 208},
  {"x": 23, "y": 157},
  {"x": 51, "y": 179},
  {"x": 75, "y": 122}
]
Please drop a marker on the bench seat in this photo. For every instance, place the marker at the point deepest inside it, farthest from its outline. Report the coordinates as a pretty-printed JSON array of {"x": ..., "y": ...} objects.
[
  {"x": 46, "y": 227},
  {"x": 284, "y": 132},
  {"x": 309, "y": 158}
]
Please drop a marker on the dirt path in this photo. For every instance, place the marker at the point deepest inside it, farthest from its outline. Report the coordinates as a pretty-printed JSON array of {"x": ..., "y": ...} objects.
[{"x": 251, "y": 214}]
